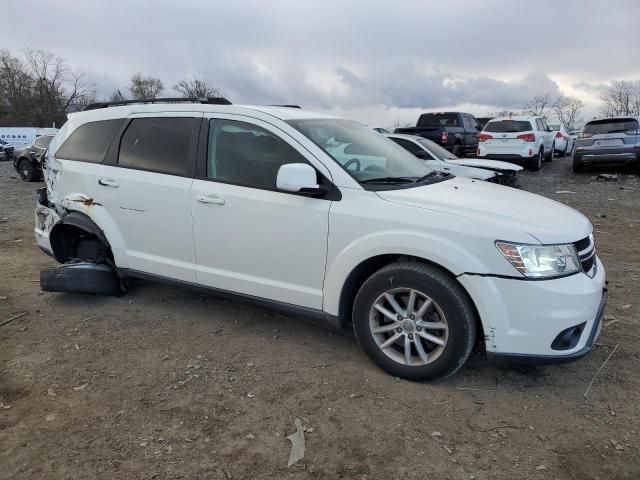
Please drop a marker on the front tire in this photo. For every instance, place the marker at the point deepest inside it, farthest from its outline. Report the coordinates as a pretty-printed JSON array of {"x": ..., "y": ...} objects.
[
  {"x": 414, "y": 321},
  {"x": 26, "y": 170}
]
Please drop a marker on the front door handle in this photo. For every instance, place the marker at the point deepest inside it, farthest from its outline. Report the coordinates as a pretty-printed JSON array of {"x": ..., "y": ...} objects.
[
  {"x": 108, "y": 182},
  {"x": 210, "y": 199}
]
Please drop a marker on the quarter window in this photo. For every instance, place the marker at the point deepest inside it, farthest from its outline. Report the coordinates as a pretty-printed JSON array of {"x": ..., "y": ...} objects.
[
  {"x": 246, "y": 154},
  {"x": 89, "y": 142},
  {"x": 157, "y": 144}
]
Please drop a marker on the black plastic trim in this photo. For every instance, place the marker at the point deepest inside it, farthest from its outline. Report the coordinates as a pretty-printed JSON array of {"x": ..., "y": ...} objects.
[
  {"x": 314, "y": 316},
  {"x": 526, "y": 359}
]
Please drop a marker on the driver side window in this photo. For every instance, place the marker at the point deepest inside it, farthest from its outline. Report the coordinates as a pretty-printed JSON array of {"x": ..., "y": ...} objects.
[{"x": 246, "y": 154}]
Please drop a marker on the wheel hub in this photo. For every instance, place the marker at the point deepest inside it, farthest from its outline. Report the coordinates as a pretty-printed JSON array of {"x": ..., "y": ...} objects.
[{"x": 408, "y": 325}]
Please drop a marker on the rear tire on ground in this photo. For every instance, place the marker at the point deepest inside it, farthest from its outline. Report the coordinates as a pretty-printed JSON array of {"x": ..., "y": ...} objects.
[
  {"x": 424, "y": 338},
  {"x": 26, "y": 170},
  {"x": 577, "y": 166},
  {"x": 552, "y": 153},
  {"x": 458, "y": 150},
  {"x": 535, "y": 163},
  {"x": 81, "y": 277}
]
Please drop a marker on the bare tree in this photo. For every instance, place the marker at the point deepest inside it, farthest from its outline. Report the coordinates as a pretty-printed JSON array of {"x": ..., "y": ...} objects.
[
  {"x": 145, "y": 87},
  {"x": 621, "y": 98},
  {"x": 117, "y": 96},
  {"x": 41, "y": 89},
  {"x": 197, "y": 88},
  {"x": 540, "y": 106},
  {"x": 567, "y": 109}
]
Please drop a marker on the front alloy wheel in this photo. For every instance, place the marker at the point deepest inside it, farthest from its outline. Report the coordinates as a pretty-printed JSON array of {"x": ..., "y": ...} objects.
[
  {"x": 414, "y": 321},
  {"x": 408, "y": 326}
]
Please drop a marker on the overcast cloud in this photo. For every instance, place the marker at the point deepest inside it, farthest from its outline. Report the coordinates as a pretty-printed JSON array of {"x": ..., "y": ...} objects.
[{"x": 377, "y": 62}]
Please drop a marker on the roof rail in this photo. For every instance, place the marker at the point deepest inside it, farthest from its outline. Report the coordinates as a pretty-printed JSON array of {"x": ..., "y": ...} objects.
[
  {"x": 204, "y": 100},
  {"x": 286, "y": 106}
]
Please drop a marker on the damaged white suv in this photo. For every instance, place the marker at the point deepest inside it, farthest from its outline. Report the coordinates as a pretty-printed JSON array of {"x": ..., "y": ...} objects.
[{"x": 319, "y": 217}]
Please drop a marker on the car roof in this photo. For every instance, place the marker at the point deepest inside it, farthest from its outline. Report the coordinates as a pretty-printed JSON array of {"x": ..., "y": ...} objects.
[
  {"x": 618, "y": 117},
  {"x": 283, "y": 113}
]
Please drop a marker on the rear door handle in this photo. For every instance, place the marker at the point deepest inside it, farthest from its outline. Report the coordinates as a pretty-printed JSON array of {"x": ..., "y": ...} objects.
[
  {"x": 210, "y": 199},
  {"x": 108, "y": 182}
]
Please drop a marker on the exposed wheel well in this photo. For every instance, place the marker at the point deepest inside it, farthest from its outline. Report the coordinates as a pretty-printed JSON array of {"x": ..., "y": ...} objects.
[
  {"x": 362, "y": 272},
  {"x": 77, "y": 237}
]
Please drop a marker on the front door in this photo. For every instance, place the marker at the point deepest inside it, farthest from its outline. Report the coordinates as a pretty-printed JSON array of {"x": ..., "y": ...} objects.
[{"x": 249, "y": 237}]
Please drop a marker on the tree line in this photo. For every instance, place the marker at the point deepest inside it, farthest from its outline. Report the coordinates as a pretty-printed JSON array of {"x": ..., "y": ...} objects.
[{"x": 39, "y": 89}]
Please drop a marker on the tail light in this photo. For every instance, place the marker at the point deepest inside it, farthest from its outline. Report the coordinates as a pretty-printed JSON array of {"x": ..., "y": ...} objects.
[
  {"x": 559, "y": 135},
  {"x": 586, "y": 135},
  {"x": 527, "y": 137},
  {"x": 445, "y": 137},
  {"x": 484, "y": 136}
]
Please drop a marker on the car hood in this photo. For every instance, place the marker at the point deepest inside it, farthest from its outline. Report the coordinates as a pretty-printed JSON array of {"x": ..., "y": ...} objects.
[
  {"x": 545, "y": 219},
  {"x": 463, "y": 171},
  {"x": 495, "y": 165}
]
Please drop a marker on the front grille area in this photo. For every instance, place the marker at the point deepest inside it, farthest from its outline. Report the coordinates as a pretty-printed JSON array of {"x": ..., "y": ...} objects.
[
  {"x": 587, "y": 253},
  {"x": 505, "y": 178}
]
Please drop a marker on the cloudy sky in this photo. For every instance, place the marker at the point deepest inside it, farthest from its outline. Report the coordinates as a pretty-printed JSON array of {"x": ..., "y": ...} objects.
[{"x": 375, "y": 61}]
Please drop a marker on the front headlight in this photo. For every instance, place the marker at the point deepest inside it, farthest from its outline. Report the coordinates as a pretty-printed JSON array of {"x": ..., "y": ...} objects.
[{"x": 541, "y": 260}]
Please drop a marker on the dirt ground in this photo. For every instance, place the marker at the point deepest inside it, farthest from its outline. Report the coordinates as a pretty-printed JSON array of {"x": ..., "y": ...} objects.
[{"x": 166, "y": 383}]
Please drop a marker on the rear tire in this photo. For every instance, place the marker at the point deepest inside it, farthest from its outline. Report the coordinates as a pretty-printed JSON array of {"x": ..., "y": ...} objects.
[
  {"x": 436, "y": 333},
  {"x": 458, "y": 150},
  {"x": 81, "y": 277},
  {"x": 535, "y": 162},
  {"x": 577, "y": 166},
  {"x": 551, "y": 153}
]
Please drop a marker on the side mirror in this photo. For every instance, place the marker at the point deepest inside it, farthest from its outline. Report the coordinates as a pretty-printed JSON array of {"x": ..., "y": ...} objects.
[{"x": 300, "y": 178}]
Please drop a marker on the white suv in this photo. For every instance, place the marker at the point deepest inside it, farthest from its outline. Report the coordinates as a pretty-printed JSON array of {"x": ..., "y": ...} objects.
[
  {"x": 526, "y": 140},
  {"x": 320, "y": 217}
]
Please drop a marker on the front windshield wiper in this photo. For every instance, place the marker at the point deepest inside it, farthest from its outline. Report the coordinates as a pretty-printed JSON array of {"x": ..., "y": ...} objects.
[
  {"x": 389, "y": 180},
  {"x": 435, "y": 173}
]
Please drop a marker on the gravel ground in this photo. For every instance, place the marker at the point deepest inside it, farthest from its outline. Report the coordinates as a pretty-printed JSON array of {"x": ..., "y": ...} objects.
[{"x": 165, "y": 383}]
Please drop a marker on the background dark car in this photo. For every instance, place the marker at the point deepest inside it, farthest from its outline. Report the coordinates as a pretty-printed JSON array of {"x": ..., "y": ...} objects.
[
  {"x": 27, "y": 160},
  {"x": 458, "y": 132},
  {"x": 6, "y": 150}
]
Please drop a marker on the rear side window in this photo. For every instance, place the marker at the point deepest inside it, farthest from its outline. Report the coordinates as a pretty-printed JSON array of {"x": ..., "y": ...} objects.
[
  {"x": 246, "y": 154},
  {"x": 90, "y": 142},
  {"x": 508, "y": 126},
  {"x": 439, "y": 120},
  {"x": 157, "y": 144},
  {"x": 407, "y": 145},
  {"x": 617, "y": 125}
]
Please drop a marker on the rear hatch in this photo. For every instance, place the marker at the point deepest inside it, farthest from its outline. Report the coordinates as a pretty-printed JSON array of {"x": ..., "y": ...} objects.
[
  {"x": 609, "y": 134},
  {"x": 507, "y": 134}
]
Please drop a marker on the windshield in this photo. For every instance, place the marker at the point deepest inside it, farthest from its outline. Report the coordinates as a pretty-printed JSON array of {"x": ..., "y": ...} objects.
[
  {"x": 365, "y": 154},
  {"x": 437, "y": 150},
  {"x": 507, "y": 126}
]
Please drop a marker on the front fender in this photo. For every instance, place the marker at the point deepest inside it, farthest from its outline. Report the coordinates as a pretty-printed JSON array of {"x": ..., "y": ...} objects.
[{"x": 450, "y": 256}]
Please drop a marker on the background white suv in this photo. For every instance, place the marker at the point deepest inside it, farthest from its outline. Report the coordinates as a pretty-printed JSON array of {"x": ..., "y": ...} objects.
[
  {"x": 320, "y": 217},
  {"x": 528, "y": 140}
]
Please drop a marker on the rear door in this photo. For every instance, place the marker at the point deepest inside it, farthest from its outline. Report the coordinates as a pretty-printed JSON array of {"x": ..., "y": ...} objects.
[
  {"x": 546, "y": 134},
  {"x": 145, "y": 192}
]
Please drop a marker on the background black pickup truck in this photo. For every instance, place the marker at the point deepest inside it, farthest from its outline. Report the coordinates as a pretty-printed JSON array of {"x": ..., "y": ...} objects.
[{"x": 457, "y": 132}]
